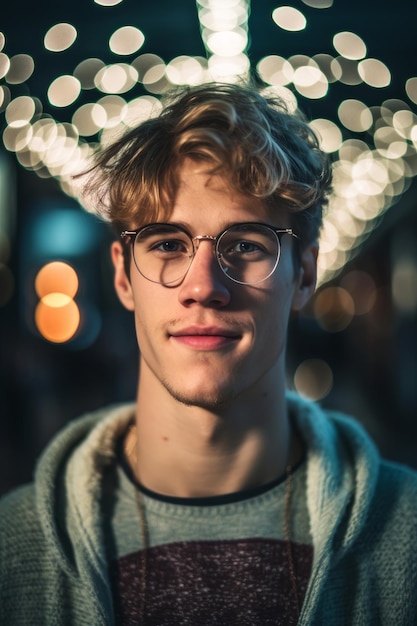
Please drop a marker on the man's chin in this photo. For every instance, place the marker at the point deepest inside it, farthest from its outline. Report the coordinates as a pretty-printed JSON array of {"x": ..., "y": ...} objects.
[{"x": 208, "y": 400}]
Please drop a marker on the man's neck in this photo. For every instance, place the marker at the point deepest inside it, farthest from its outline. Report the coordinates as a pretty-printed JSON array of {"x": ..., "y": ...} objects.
[{"x": 190, "y": 451}]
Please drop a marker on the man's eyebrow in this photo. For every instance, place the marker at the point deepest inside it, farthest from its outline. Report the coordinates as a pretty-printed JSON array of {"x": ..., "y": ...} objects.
[{"x": 186, "y": 226}]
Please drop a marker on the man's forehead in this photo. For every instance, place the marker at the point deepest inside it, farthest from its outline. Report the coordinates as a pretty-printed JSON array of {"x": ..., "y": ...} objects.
[{"x": 198, "y": 185}]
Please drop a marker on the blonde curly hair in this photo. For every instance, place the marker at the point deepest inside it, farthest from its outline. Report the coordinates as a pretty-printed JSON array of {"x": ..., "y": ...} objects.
[{"x": 265, "y": 151}]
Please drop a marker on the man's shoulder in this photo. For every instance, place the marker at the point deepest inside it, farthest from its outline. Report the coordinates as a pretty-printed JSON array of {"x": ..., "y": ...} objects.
[
  {"x": 18, "y": 505},
  {"x": 20, "y": 526},
  {"x": 19, "y": 509},
  {"x": 393, "y": 507},
  {"x": 399, "y": 481}
]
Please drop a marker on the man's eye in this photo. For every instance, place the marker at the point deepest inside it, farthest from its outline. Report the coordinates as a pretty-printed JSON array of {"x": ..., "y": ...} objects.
[
  {"x": 169, "y": 245},
  {"x": 244, "y": 247}
]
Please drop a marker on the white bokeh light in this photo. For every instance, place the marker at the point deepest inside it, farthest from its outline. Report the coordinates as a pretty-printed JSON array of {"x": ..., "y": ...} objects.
[
  {"x": 126, "y": 40},
  {"x": 64, "y": 90},
  {"x": 289, "y": 18},
  {"x": 60, "y": 37}
]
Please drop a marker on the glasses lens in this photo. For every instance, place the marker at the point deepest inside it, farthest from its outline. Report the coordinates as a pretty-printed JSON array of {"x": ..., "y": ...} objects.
[
  {"x": 163, "y": 253},
  {"x": 248, "y": 253}
]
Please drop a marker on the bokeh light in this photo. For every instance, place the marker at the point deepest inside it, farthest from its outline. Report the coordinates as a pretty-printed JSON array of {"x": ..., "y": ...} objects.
[
  {"x": 87, "y": 70},
  {"x": 289, "y": 18},
  {"x": 57, "y": 319},
  {"x": 310, "y": 82},
  {"x": 56, "y": 277},
  {"x": 275, "y": 70},
  {"x": 20, "y": 111},
  {"x": 349, "y": 45},
  {"x": 329, "y": 134},
  {"x": 355, "y": 115},
  {"x": 57, "y": 316},
  {"x": 116, "y": 78},
  {"x": 334, "y": 309},
  {"x": 126, "y": 40},
  {"x": 374, "y": 72},
  {"x": 313, "y": 379},
  {"x": 63, "y": 91},
  {"x": 185, "y": 70},
  {"x": 60, "y": 37},
  {"x": 89, "y": 119},
  {"x": 21, "y": 69}
]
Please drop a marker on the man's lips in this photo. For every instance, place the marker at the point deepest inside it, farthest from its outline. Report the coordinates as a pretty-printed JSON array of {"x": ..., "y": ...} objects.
[{"x": 205, "y": 338}]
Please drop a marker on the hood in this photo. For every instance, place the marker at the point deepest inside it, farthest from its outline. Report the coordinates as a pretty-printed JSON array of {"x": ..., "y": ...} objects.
[
  {"x": 342, "y": 474},
  {"x": 68, "y": 495}
]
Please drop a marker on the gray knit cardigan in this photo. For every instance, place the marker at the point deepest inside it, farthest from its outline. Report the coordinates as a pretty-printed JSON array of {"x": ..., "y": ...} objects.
[{"x": 363, "y": 521}]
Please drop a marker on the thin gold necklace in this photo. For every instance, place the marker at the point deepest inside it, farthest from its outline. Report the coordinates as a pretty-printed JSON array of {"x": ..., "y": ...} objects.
[{"x": 131, "y": 456}]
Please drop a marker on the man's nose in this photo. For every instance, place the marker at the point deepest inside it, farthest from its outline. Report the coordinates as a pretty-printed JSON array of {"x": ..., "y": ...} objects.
[{"x": 205, "y": 282}]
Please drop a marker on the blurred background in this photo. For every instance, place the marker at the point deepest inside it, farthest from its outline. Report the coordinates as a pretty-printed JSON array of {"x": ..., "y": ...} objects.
[{"x": 77, "y": 74}]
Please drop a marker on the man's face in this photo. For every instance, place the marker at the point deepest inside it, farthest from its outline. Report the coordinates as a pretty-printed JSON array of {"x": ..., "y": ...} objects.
[{"x": 209, "y": 340}]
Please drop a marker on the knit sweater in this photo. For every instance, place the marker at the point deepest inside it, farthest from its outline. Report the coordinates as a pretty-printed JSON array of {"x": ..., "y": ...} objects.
[{"x": 362, "y": 513}]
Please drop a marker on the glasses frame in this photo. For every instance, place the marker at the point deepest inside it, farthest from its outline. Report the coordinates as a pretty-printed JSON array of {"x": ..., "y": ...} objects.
[{"x": 278, "y": 232}]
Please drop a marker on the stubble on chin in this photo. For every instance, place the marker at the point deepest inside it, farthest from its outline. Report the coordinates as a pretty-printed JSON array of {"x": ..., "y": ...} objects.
[{"x": 204, "y": 400}]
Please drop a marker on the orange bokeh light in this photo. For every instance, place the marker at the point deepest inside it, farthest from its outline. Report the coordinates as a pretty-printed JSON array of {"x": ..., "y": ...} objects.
[
  {"x": 56, "y": 277},
  {"x": 57, "y": 317}
]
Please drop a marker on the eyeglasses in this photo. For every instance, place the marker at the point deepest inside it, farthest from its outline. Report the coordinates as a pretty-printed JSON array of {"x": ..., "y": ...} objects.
[{"x": 247, "y": 253}]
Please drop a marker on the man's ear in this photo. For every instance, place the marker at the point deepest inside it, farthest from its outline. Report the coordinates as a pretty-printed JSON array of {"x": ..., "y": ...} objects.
[
  {"x": 121, "y": 280},
  {"x": 306, "y": 277}
]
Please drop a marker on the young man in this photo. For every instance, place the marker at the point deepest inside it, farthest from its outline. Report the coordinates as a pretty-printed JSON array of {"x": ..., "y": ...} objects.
[{"x": 217, "y": 498}]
